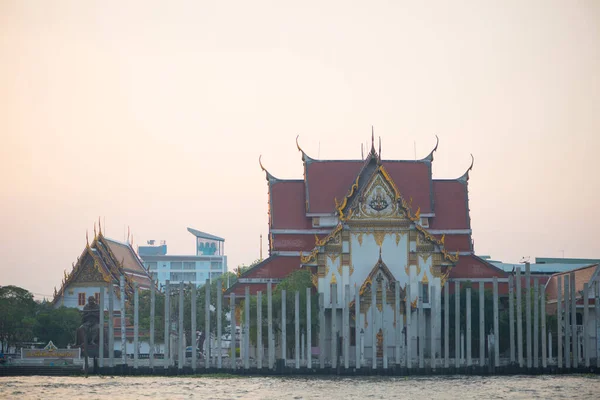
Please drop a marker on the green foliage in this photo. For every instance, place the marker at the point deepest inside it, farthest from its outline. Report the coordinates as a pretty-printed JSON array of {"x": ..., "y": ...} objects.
[
  {"x": 297, "y": 281},
  {"x": 144, "y": 313},
  {"x": 17, "y": 315},
  {"x": 56, "y": 324}
]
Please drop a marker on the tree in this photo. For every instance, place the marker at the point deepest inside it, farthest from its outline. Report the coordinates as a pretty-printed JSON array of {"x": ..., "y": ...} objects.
[
  {"x": 17, "y": 309},
  {"x": 56, "y": 324},
  {"x": 144, "y": 313}
]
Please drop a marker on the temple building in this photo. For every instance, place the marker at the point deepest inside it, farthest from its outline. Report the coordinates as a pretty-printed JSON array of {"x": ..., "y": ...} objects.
[
  {"x": 101, "y": 264},
  {"x": 370, "y": 224}
]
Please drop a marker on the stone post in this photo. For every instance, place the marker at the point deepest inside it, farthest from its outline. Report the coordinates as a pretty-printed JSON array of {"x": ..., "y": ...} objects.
[
  {"x": 123, "y": 330},
  {"x": 559, "y": 329},
  {"x": 433, "y": 326},
  {"x": 511, "y": 317},
  {"x": 219, "y": 326},
  {"x": 496, "y": 328},
  {"x": 528, "y": 313},
  {"x": 573, "y": 303},
  {"x": 456, "y": 324},
  {"x": 398, "y": 319},
  {"x": 111, "y": 325},
  {"x": 597, "y": 313},
  {"x": 167, "y": 324},
  {"x": 283, "y": 327},
  {"x": 247, "y": 328},
  {"x": 408, "y": 328},
  {"x": 152, "y": 316},
  {"x": 308, "y": 328},
  {"x": 383, "y": 324},
  {"x": 346, "y": 321},
  {"x": 446, "y": 324},
  {"x": 567, "y": 322},
  {"x": 302, "y": 348},
  {"x": 270, "y": 337},
  {"x": 334, "y": 330},
  {"x": 101, "y": 331},
  {"x": 232, "y": 344},
  {"x": 181, "y": 336},
  {"x": 586, "y": 351},
  {"x": 136, "y": 321},
  {"x": 536, "y": 319},
  {"x": 259, "y": 323},
  {"x": 193, "y": 329},
  {"x": 322, "y": 347},
  {"x": 374, "y": 324},
  {"x": 519, "y": 320},
  {"x": 207, "y": 323},
  {"x": 357, "y": 324},
  {"x": 543, "y": 321},
  {"x": 421, "y": 327},
  {"x": 481, "y": 324},
  {"x": 468, "y": 310},
  {"x": 297, "y": 328},
  {"x": 549, "y": 345}
]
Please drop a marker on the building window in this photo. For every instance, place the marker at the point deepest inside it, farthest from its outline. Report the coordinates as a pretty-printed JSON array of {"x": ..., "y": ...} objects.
[
  {"x": 97, "y": 297},
  {"x": 81, "y": 299},
  {"x": 189, "y": 265},
  {"x": 175, "y": 265},
  {"x": 215, "y": 265},
  {"x": 425, "y": 294}
]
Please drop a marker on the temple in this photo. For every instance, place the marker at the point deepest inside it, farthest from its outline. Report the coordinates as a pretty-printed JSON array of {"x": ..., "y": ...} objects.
[
  {"x": 101, "y": 264},
  {"x": 370, "y": 223}
]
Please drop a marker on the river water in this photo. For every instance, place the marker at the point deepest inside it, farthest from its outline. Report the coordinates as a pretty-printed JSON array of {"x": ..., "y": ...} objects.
[{"x": 460, "y": 387}]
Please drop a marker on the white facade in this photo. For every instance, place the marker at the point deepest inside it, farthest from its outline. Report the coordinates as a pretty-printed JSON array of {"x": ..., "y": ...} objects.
[{"x": 194, "y": 269}]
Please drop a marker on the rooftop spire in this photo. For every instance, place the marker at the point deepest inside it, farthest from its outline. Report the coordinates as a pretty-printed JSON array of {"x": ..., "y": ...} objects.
[
  {"x": 267, "y": 174},
  {"x": 465, "y": 176},
  {"x": 372, "y": 139},
  {"x": 380, "y": 147}
]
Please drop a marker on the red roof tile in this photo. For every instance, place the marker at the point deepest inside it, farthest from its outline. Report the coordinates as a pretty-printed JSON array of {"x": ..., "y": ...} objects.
[
  {"x": 450, "y": 205},
  {"x": 413, "y": 179},
  {"x": 274, "y": 267},
  {"x": 474, "y": 267},
  {"x": 328, "y": 180},
  {"x": 452, "y": 243},
  {"x": 288, "y": 206}
]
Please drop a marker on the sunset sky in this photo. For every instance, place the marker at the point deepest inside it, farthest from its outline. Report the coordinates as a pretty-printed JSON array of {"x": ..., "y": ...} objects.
[{"x": 153, "y": 115}]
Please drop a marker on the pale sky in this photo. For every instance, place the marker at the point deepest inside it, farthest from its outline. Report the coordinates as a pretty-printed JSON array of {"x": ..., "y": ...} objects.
[{"x": 153, "y": 115}]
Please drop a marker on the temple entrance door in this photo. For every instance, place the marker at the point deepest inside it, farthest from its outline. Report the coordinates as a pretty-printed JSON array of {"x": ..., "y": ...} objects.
[{"x": 380, "y": 344}]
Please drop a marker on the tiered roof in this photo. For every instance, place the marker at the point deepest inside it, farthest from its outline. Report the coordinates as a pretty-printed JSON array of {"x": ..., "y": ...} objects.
[
  {"x": 104, "y": 261},
  {"x": 293, "y": 203}
]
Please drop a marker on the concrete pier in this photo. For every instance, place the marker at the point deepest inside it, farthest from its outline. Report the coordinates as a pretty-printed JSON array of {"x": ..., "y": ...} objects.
[
  {"x": 536, "y": 319},
  {"x": 270, "y": 337},
  {"x": 384, "y": 324},
  {"x": 456, "y": 324},
  {"x": 408, "y": 328},
  {"x": 481, "y": 324},
  {"x": 101, "y": 331},
  {"x": 446, "y": 324},
  {"x": 181, "y": 335},
  {"x": 346, "y": 322},
  {"x": 297, "y": 328},
  {"x": 111, "y": 325},
  {"x": 468, "y": 315},
  {"x": 259, "y": 323},
  {"x": 511, "y": 317},
  {"x": 574, "y": 335},
  {"x": 152, "y": 327},
  {"x": 357, "y": 329},
  {"x": 136, "y": 324},
  {"x": 123, "y": 331},
  {"x": 247, "y": 327},
  {"x": 398, "y": 324},
  {"x": 232, "y": 344},
  {"x": 167, "y": 324},
  {"x": 219, "y": 325},
  {"x": 567, "y": 323},
  {"x": 559, "y": 322},
  {"x": 374, "y": 323},
  {"x": 308, "y": 329},
  {"x": 421, "y": 326},
  {"x": 207, "y": 323},
  {"x": 193, "y": 327},
  {"x": 528, "y": 313},
  {"x": 496, "y": 329},
  {"x": 597, "y": 313},
  {"x": 434, "y": 328},
  {"x": 543, "y": 322},
  {"x": 322, "y": 346},
  {"x": 334, "y": 328},
  {"x": 586, "y": 349},
  {"x": 283, "y": 326},
  {"x": 519, "y": 320}
]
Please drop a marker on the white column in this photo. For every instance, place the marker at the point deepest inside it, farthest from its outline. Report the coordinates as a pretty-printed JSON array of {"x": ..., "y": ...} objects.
[
  {"x": 468, "y": 333},
  {"x": 519, "y": 320},
  {"x": 297, "y": 329},
  {"x": 283, "y": 327},
  {"x": 433, "y": 326},
  {"x": 334, "y": 343},
  {"x": 207, "y": 323},
  {"x": 536, "y": 319},
  {"x": 136, "y": 321},
  {"x": 308, "y": 329},
  {"x": 181, "y": 335},
  {"x": 346, "y": 318},
  {"x": 398, "y": 319},
  {"x": 383, "y": 323},
  {"x": 446, "y": 324},
  {"x": 152, "y": 316},
  {"x": 193, "y": 328},
  {"x": 357, "y": 334},
  {"x": 421, "y": 327},
  {"x": 528, "y": 313},
  {"x": 457, "y": 324},
  {"x": 247, "y": 328},
  {"x": 233, "y": 331},
  {"x": 543, "y": 319},
  {"x": 101, "y": 332},
  {"x": 167, "y": 334},
  {"x": 585, "y": 322},
  {"x": 511, "y": 317},
  {"x": 259, "y": 343},
  {"x": 123, "y": 330},
  {"x": 374, "y": 324},
  {"x": 408, "y": 328},
  {"x": 322, "y": 347},
  {"x": 496, "y": 328},
  {"x": 219, "y": 326},
  {"x": 559, "y": 316}
]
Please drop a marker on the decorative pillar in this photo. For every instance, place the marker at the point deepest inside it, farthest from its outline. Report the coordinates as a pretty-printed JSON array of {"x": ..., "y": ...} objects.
[
  {"x": 433, "y": 326},
  {"x": 421, "y": 326},
  {"x": 334, "y": 342},
  {"x": 383, "y": 323}
]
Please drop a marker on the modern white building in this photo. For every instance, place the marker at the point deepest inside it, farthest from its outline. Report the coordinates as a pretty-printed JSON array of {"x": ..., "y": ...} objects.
[{"x": 209, "y": 262}]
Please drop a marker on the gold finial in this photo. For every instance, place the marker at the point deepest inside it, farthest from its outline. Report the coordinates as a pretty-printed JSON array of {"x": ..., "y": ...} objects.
[
  {"x": 99, "y": 226},
  {"x": 333, "y": 280},
  {"x": 425, "y": 278},
  {"x": 95, "y": 234}
]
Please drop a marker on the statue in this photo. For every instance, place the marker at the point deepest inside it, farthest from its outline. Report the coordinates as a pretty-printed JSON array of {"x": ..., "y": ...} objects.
[{"x": 89, "y": 331}]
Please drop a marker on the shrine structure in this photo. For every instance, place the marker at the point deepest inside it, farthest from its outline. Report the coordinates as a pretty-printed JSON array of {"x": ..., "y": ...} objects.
[{"x": 371, "y": 223}]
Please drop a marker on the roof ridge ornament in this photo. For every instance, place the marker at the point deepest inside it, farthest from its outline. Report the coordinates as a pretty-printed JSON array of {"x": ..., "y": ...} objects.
[
  {"x": 305, "y": 157},
  {"x": 430, "y": 155},
  {"x": 465, "y": 176},
  {"x": 267, "y": 174}
]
